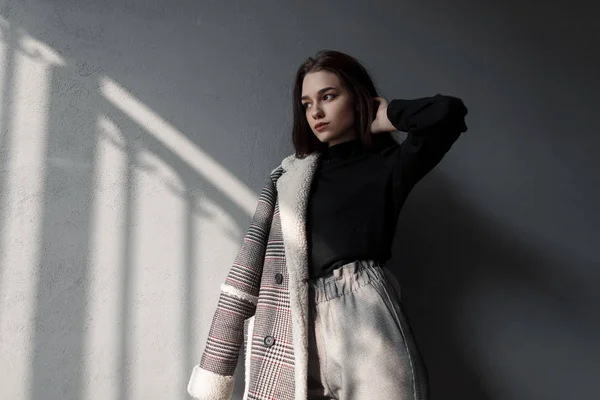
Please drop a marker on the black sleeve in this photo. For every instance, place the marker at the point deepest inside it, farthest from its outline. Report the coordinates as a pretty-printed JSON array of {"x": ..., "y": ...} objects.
[{"x": 433, "y": 124}]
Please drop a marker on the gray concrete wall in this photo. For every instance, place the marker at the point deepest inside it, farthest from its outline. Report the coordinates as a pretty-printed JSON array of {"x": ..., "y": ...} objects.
[{"x": 135, "y": 136}]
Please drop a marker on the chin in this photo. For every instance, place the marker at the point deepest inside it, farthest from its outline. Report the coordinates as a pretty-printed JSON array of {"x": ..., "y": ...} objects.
[{"x": 325, "y": 137}]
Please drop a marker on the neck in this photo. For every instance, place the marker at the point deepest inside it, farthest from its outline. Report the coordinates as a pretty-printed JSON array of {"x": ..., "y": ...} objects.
[{"x": 341, "y": 140}]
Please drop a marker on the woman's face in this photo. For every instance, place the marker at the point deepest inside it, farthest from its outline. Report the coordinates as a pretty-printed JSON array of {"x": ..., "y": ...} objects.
[{"x": 333, "y": 106}]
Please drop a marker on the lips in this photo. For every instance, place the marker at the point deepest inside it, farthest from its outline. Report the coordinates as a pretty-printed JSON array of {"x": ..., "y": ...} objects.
[{"x": 321, "y": 125}]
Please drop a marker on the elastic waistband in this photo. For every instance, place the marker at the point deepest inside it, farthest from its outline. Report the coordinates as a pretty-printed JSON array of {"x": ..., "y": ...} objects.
[{"x": 344, "y": 279}]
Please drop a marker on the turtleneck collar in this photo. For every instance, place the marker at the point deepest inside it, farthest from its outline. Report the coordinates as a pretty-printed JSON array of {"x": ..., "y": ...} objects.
[
  {"x": 352, "y": 147},
  {"x": 342, "y": 150}
]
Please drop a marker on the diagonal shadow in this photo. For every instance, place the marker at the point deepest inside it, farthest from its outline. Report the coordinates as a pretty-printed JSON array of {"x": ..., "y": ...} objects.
[{"x": 64, "y": 270}]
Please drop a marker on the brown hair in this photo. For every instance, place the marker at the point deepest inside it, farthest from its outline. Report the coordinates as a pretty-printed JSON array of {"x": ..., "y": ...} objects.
[{"x": 356, "y": 80}]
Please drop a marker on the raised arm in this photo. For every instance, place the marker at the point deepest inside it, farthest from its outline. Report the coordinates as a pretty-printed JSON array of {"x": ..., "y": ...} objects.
[{"x": 433, "y": 125}]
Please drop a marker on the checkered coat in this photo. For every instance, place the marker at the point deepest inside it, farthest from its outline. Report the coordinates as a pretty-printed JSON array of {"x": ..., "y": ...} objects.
[{"x": 263, "y": 305}]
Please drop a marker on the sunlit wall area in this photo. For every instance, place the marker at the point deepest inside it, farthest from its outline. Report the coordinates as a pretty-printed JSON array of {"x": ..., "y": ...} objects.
[
  {"x": 25, "y": 77},
  {"x": 116, "y": 232}
]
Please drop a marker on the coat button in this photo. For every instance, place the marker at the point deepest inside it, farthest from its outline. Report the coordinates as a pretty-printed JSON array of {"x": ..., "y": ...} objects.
[
  {"x": 278, "y": 278},
  {"x": 269, "y": 341}
]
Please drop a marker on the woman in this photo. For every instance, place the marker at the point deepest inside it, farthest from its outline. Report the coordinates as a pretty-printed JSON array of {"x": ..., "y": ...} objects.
[{"x": 308, "y": 293}]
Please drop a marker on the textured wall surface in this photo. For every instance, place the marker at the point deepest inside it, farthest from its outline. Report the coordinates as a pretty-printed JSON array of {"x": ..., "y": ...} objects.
[{"x": 135, "y": 135}]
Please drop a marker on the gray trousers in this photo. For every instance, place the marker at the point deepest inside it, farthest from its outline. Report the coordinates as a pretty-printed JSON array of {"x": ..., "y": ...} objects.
[{"x": 360, "y": 343}]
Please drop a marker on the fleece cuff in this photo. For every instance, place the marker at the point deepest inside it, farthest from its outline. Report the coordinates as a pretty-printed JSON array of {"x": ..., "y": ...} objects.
[{"x": 206, "y": 385}]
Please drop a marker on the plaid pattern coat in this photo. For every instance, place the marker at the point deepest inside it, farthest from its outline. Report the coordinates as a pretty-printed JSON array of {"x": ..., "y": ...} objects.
[{"x": 263, "y": 305}]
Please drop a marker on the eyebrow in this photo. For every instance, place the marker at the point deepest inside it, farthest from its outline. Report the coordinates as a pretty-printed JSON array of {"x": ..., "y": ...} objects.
[{"x": 319, "y": 92}]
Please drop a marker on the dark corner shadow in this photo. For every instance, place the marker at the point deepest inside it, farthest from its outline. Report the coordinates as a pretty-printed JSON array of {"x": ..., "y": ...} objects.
[{"x": 444, "y": 248}]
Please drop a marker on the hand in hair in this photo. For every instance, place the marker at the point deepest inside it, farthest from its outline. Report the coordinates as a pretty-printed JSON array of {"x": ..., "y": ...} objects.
[{"x": 381, "y": 123}]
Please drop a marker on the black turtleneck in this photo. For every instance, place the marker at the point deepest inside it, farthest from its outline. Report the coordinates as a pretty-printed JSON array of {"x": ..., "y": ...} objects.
[{"x": 357, "y": 193}]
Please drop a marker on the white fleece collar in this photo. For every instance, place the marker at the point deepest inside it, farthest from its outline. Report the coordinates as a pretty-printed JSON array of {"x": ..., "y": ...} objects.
[{"x": 293, "y": 188}]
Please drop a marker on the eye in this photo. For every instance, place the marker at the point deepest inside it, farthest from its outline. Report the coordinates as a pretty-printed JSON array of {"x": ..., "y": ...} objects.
[{"x": 305, "y": 105}]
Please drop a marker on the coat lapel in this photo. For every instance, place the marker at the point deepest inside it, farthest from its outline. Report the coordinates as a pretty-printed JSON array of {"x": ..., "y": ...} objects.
[{"x": 293, "y": 188}]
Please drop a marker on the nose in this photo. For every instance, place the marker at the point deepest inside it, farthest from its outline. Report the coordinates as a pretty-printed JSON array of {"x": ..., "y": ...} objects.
[{"x": 316, "y": 112}]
